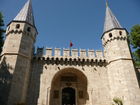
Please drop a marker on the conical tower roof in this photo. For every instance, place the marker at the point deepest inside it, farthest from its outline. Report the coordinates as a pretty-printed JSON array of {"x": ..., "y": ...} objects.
[
  {"x": 26, "y": 14},
  {"x": 111, "y": 21}
]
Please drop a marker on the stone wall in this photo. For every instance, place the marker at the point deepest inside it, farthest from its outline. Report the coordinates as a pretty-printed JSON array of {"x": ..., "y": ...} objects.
[{"x": 46, "y": 73}]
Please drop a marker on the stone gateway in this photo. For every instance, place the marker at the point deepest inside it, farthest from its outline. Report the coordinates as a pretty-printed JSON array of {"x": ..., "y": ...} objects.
[{"x": 66, "y": 76}]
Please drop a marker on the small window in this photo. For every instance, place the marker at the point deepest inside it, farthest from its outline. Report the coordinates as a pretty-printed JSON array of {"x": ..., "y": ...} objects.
[
  {"x": 29, "y": 29},
  {"x": 110, "y": 35},
  {"x": 120, "y": 32},
  {"x": 8, "y": 28},
  {"x": 18, "y": 26}
]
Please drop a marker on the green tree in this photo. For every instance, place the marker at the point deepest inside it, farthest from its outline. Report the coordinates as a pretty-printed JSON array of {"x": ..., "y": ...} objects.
[
  {"x": 117, "y": 101},
  {"x": 134, "y": 39},
  {"x": 2, "y": 31}
]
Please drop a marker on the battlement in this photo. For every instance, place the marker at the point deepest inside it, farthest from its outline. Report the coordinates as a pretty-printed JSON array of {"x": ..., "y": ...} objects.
[
  {"x": 69, "y": 53},
  {"x": 70, "y": 56}
]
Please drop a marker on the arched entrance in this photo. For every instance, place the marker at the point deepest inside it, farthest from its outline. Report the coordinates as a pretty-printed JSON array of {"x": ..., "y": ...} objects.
[
  {"x": 68, "y": 96},
  {"x": 69, "y": 87}
]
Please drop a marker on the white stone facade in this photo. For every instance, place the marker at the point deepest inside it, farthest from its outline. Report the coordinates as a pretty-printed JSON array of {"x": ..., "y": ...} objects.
[
  {"x": 63, "y": 76},
  {"x": 90, "y": 73}
]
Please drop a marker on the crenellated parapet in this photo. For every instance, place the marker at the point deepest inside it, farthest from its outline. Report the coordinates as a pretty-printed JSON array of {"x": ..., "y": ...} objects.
[
  {"x": 72, "y": 53},
  {"x": 71, "y": 56}
]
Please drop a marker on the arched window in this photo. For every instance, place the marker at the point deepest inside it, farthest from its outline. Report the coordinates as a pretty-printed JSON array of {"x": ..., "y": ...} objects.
[
  {"x": 17, "y": 26},
  {"x": 29, "y": 29},
  {"x": 110, "y": 35},
  {"x": 120, "y": 32}
]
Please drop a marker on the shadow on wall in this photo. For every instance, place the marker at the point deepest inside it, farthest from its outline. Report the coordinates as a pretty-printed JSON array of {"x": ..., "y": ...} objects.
[
  {"x": 138, "y": 75},
  {"x": 5, "y": 82},
  {"x": 34, "y": 83}
]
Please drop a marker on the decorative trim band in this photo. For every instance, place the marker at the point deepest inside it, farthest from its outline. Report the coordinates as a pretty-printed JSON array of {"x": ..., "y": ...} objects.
[
  {"x": 19, "y": 32},
  {"x": 71, "y": 61},
  {"x": 120, "y": 59},
  {"x": 17, "y": 54},
  {"x": 114, "y": 38}
]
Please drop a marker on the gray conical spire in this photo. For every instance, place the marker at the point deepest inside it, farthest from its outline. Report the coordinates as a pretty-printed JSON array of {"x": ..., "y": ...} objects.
[
  {"x": 110, "y": 20},
  {"x": 26, "y": 14}
]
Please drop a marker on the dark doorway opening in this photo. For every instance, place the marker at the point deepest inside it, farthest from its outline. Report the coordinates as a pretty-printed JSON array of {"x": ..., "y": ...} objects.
[{"x": 68, "y": 96}]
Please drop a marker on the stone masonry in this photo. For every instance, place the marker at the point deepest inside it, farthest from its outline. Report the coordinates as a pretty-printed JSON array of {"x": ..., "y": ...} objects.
[{"x": 66, "y": 76}]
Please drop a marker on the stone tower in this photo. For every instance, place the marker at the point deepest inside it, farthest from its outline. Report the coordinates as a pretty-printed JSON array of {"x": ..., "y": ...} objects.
[
  {"x": 121, "y": 72},
  {"x": 17, "y": 52}
]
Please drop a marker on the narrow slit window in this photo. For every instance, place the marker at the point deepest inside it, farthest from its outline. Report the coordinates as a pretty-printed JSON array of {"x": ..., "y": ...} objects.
[
  {"x": 110, "y": 35},
  {"x": 120, "y": 32},
  {"x": 29, "y": 29}
]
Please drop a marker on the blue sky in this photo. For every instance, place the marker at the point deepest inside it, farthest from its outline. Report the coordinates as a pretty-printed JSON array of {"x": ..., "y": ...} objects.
[{"x": 81, "y": 21}]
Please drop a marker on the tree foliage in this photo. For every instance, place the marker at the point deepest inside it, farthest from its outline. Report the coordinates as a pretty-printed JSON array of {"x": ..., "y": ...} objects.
[
  {"x": 135, "y": 42},
  {"x": 1, "y": 31},
  {"x": 117, "y": 101}
]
